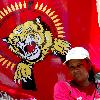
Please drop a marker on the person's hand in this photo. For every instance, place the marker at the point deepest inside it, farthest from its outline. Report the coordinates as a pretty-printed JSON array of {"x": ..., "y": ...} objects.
[{"x": 61, "y": 77}]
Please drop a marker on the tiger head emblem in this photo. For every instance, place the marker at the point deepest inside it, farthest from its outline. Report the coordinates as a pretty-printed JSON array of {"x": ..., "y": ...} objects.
[{"x": 31, "y": 42}]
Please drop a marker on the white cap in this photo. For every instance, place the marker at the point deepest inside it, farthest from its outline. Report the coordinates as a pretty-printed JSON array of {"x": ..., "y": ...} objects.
[{"x": 77, "y": 53}]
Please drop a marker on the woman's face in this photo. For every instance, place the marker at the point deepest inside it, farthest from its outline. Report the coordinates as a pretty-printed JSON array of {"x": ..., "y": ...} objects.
[{"x": 78, "y": 69}]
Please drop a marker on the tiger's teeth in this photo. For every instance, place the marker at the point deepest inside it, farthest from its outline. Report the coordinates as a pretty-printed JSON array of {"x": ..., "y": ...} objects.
[
  {"x": 24, "y": 79},
  {"x": 29, "y": 77},
  {"x": 19, "y": 81},
  {"x": 15, "y": 80},
  {"x": 26, "y": 53},
  {"x": 31, "y": 53},
  {"x": 30, "y": 43}
]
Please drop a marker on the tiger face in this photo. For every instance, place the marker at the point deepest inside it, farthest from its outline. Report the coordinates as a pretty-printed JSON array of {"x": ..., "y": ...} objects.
[
  {"x": 31, "y": 41},
  {"x": 28, "y": 40}
]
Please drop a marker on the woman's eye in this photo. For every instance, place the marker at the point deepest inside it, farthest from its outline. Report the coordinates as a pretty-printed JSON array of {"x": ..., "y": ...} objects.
[
  {"x": 79, "y": 65},
  {"x": 71, "y": 67}
]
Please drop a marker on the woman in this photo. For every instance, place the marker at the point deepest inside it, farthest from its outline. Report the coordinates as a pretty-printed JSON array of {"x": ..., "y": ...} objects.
[{"x": 83, "y": 86}]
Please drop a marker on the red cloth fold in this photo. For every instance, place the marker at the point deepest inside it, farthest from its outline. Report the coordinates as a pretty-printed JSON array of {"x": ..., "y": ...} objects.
[{"x": 17, "y": 93}]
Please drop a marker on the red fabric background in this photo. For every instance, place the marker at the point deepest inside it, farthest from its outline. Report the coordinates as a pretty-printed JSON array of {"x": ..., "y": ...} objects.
[{"x": 79, "y": 18}]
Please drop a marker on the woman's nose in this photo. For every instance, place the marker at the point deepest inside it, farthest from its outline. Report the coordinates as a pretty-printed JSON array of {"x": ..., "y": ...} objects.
[{"x": 76, "y": 69}]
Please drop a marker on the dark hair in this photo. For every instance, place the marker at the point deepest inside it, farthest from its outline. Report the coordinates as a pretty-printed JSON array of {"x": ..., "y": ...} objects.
[
  {"x": 91, "y": 76},
  {"x": 91, "y": 72}
]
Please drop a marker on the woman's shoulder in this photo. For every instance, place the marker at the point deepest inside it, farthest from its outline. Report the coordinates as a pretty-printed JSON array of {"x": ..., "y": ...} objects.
[{"x": 62, "y": 85}]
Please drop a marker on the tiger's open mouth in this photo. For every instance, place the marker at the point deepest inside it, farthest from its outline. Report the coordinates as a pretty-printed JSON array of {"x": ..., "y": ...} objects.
[
  {"x": 32, "y": 53},
  {"x": 29, "y": 49}
]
